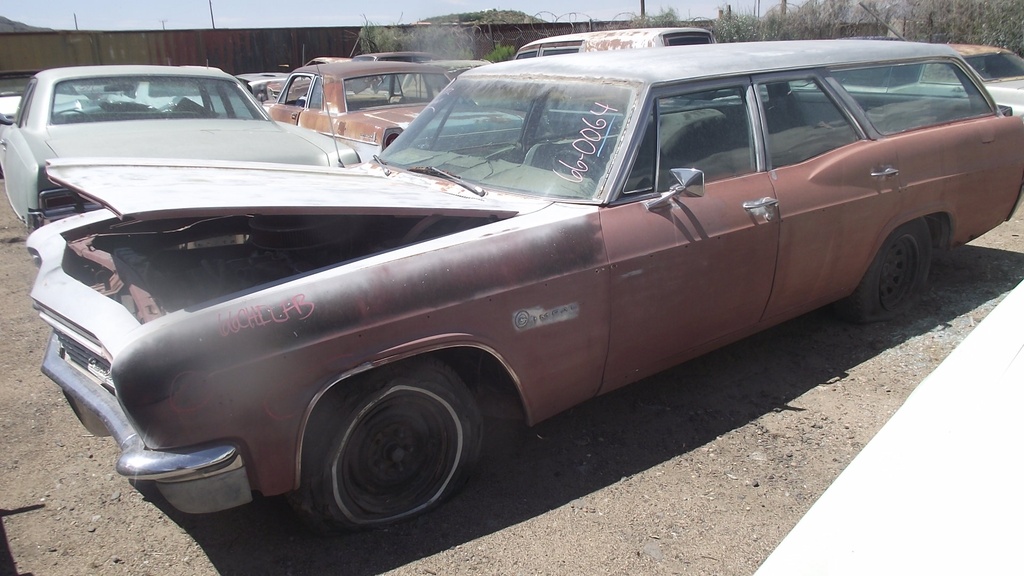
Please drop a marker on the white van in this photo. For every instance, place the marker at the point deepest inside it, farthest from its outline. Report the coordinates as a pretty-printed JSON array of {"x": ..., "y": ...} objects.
[{"x": 615, "y": 40}]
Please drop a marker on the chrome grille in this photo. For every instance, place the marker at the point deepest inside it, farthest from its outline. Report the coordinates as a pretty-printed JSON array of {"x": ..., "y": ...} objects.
[{"x": 83, "y": 358}]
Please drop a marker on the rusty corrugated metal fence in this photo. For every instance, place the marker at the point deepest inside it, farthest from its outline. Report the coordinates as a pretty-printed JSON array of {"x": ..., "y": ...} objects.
[{"x": 235, "y": 51}]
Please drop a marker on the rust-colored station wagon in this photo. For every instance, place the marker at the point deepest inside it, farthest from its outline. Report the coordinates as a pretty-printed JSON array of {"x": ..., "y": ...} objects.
[
  {"x": 364, "y": 104},
  {"x": 547, "y": 230}
]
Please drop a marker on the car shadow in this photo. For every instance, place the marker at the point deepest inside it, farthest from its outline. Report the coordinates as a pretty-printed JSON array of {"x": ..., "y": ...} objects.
[
  {"x": 611, "y": 437},
  {"x": 7, "y": 566}
]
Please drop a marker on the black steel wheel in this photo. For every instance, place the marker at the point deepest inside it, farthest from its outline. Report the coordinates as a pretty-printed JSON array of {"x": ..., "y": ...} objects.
[
  {"x": 396, "y": 443},
  {"x": 896, "y": 275}
]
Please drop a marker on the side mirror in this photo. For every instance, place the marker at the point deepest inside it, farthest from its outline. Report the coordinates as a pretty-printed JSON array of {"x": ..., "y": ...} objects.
[
  {"x": 1005, "y": 110},
  {"x": 689, "y": 181},
  {"x": 6, "y": 120}
]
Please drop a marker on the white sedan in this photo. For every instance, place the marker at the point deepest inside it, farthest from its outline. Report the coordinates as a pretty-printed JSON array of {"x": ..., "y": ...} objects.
[
  {"x": 1001, "y": 70},
  {"x": 140, "y": 111}
]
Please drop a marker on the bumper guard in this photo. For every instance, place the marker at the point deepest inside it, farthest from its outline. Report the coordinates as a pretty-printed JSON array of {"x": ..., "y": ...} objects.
[{"x": 203, "y": 479}]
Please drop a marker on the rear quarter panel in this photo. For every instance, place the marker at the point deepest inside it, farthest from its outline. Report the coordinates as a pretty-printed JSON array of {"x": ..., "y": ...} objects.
[{"x": 971, "y": 170}]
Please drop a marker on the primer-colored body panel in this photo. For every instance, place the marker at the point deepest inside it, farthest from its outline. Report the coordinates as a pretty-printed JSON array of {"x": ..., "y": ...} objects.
[{"x": 142, "y": 189}]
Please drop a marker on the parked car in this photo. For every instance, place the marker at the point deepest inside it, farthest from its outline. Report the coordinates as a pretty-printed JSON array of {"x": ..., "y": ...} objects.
[
  {"x": 12, "y": 86},
  {"x": 547, "y": 230},
  {"x": 265, "y": 86},
  {"x": 614, "y": 40},
  {"x": 452, "y": 67},
  {"x": 364, "y": 104},
  {"x": 326, "y": 60},
  {"x": 420, "y": 57},
  {"x": 1002, "y": 71},
  {"x": 139, "y": 111}
]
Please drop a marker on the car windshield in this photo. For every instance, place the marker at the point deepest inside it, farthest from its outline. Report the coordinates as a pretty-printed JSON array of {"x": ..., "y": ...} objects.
[
  {"x": 384, "y": 89},
  {"x": 549, "y": 139},
  {"x": 998, "y": 66},
  {"x": 13, "y": 85},
  {"x": 121, "y": 98}
]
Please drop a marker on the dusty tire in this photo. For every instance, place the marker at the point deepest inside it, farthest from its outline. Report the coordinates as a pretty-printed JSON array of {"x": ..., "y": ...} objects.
[
  {"x": 395, "y": 443},
  {"x": 897, "y": 274}
]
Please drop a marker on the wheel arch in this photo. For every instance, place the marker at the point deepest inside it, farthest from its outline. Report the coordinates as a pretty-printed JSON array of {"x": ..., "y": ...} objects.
[
  {"x": 940, "y": 226},
  {"x": 489, "y": 378}
]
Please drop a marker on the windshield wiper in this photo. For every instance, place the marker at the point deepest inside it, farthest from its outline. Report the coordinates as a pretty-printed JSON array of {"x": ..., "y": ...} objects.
[
  {"x": 433, "y": 171},
  {"x": 383, "y": 165}
]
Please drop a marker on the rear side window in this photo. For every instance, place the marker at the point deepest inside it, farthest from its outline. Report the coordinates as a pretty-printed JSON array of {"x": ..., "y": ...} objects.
[
  {"x": 802, "y": 121},
  {"x": 556, "y": 50},
  {"x": 688, "y": 39},
  {"x": 901, "y": 97}
]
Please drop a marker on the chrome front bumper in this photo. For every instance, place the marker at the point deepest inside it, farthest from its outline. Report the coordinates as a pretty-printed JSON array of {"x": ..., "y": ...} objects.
[{"x": 196, "y": 480}]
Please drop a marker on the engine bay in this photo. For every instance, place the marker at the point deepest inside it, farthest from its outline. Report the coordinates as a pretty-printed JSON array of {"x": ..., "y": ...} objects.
[{"x": 154, "y": 268}]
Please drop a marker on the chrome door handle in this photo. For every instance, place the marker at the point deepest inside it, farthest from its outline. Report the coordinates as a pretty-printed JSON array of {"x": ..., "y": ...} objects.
[
  {"x": 762, "y": 207},
  {"x": 884, "y": 172}
]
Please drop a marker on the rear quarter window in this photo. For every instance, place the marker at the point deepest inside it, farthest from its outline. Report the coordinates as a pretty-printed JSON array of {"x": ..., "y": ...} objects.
[
  {"x": 688, "y": 39},
  {"x": 901, "y": 97},
  {"x": 556, "y": 50}
]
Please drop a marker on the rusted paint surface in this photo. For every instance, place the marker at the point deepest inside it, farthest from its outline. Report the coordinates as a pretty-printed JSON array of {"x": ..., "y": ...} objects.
[
  {"x": 975, "y": 49},
  {"x": 623, "y": 39},
  {"x": 573, "y": 298},
  {"x": 369, "y": 127},
  {"x": 234, "y": 51}
]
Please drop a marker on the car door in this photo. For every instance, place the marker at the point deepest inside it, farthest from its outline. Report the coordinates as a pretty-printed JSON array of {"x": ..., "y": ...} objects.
[
  {"x": 953, "y": 155},
  {"x": 313, "y": 117},
  {"x": 293, "y": 99},
  {"x": 837, "y": 191},
  {"x": 696, "y": 269},
  {"x": 21, "y": 168}
]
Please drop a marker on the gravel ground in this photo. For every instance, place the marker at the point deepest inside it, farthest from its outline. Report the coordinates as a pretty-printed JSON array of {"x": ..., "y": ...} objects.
[{"x": 702, "y": 469}]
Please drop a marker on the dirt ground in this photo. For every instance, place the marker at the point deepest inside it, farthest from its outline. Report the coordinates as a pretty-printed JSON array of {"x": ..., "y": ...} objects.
[{"x": 702, "y": 469}]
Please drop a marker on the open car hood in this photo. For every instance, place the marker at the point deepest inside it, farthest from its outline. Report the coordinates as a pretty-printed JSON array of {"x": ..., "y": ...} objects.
[{"x": 145, "y": 189}]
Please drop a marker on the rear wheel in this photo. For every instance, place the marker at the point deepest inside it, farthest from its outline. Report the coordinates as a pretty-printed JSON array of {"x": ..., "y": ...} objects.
[
  {"x": 896, "y": 275},
  {"x": 397, "y": 442}
]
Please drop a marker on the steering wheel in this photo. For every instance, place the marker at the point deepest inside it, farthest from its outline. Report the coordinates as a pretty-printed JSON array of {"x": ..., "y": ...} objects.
[{"x": 69, "y": 113}]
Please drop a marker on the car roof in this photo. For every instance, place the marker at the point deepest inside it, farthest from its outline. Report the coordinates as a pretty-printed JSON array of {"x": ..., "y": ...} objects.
[
  {"x": 356, "y": 68},
  {"x": 976, "y": 49},
  {"x": 53, "y": 74},
  {"x": 664, "y": 64},
  {"x": 254, "y": 76},
  {"x": 405, "y": 54},
  {"x": 636, "y": 36}
]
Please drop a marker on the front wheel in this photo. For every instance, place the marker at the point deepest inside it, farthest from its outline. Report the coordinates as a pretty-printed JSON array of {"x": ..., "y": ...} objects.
[
  {"x": 896, "y": 275},
  {"x": 396, "y": 442}
]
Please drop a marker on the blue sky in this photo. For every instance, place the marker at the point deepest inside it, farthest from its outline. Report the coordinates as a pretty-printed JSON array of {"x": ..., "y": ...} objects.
[{"x": 188, "y": 14}]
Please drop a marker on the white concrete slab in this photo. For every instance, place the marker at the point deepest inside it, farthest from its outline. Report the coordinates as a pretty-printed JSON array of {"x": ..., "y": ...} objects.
[{"x": 939, "y": 489}]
